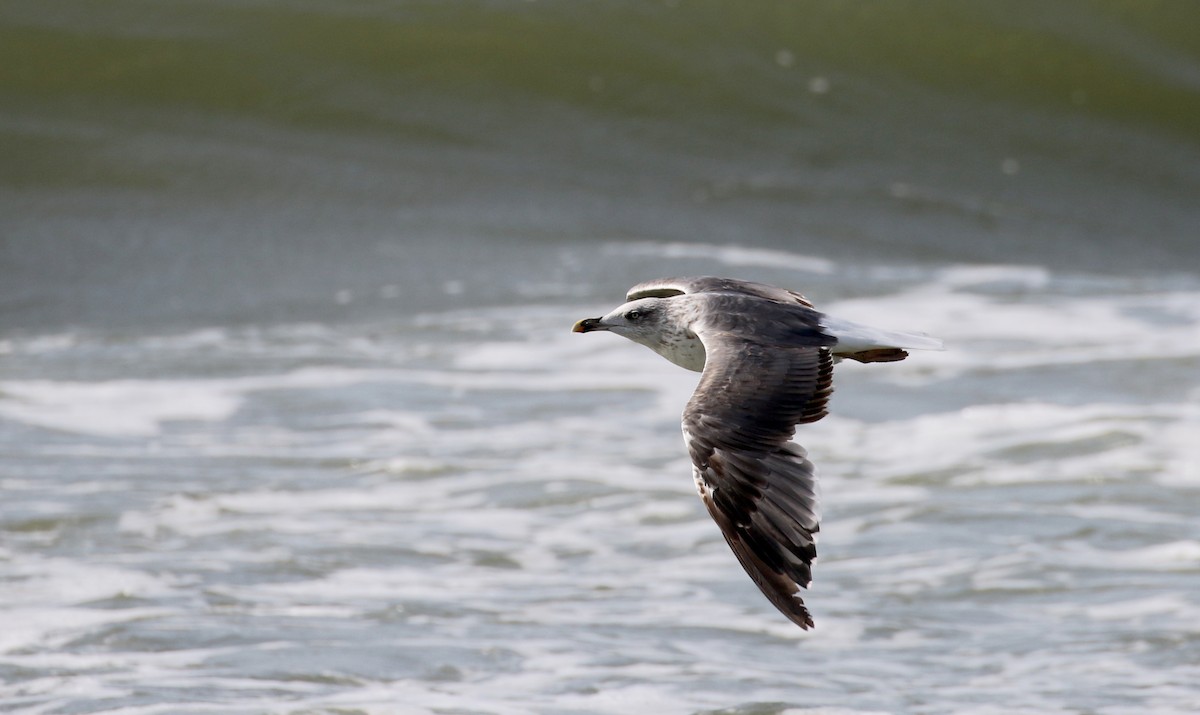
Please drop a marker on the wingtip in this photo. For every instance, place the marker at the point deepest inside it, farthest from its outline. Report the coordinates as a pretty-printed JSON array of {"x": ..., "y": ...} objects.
[{"x": 804, "y": 620}]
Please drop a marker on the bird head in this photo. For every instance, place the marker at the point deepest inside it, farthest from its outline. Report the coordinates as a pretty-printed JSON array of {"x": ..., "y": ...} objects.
[{"x": 640, "y": 321}]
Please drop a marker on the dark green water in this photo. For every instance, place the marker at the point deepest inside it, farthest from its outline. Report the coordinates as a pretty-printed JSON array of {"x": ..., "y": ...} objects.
[{"x": 228, "y": 160}]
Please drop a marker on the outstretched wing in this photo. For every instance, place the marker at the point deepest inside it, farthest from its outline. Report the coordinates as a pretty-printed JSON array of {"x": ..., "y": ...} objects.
[
  {"x": 758, "y": 486},
  {"x": 667, "y": 287}
]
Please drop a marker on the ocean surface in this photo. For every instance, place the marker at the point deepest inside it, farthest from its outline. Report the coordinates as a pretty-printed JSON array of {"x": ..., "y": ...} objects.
[{"x": 292, "y": 420}]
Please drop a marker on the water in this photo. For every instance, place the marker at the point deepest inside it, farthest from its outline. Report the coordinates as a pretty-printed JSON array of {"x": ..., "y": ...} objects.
[{"x": 291, "y": 419}]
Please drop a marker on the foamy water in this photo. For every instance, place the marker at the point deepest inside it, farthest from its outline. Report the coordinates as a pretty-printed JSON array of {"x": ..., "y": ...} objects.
[{"x": 478, "y": 511}]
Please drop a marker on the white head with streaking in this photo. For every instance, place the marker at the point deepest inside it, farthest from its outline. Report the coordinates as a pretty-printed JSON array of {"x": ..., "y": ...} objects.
[
  {"x": 767, "y": 359},
  {"x": 661, "y": 324}
]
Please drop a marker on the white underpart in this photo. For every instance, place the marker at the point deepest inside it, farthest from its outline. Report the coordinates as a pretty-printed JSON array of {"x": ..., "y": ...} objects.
[
  {"x": 677, "y": 342},
  {"x": 855, "y": 337},
  {"x": 684, "y": 349}
]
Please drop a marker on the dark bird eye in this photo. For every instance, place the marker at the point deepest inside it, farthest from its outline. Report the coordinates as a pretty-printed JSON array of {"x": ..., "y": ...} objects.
[{"x": 633, "y": 315}]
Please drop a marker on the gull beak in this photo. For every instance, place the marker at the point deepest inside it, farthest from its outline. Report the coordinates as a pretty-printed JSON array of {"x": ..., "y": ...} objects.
[{"x": 587, "y": 325}]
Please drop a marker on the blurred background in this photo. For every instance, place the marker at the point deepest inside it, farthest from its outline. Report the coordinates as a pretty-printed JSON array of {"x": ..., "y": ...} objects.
[{"x": 291, "y": 419}]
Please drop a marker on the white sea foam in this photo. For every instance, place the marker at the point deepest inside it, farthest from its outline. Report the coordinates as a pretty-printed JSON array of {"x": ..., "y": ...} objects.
[
  {"x": 48, "y": 601},
  {"x": 455, "y": 517},
  {"x": 118, "y": 408},
  {"x": 1014, "y": 332}
]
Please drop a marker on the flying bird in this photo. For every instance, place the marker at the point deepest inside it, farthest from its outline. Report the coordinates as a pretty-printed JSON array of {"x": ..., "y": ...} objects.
[{"x": 766, "y": 356}]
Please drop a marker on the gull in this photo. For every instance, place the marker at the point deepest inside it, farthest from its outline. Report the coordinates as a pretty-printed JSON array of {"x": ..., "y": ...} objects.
[{"x": 766, "y": 356}]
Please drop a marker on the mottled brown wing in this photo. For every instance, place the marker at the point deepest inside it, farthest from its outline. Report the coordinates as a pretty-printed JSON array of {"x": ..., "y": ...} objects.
[{"x": 758, "y": 486}]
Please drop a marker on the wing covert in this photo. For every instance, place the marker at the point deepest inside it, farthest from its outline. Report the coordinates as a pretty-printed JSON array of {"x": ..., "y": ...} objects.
[{"x": 667, "y": 287}]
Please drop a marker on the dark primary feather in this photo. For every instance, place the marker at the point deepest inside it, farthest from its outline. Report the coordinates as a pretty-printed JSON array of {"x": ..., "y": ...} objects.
[{"x": 768, "y": 369}]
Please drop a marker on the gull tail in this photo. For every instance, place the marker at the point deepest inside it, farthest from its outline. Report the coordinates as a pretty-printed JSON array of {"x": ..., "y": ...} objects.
[{"x": 866, "y": 344}]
